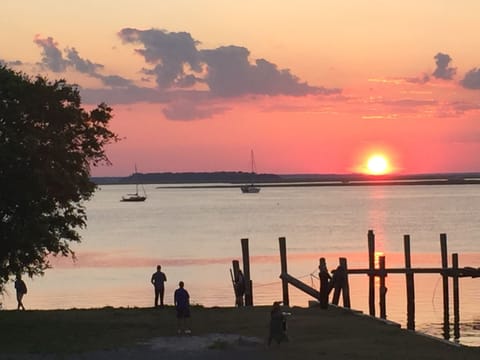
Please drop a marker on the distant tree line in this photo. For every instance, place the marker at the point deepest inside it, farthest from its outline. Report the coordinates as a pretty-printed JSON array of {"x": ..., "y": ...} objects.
[
  {"x": 239, "y": 177},
  {"x": 230, "y": 177}
]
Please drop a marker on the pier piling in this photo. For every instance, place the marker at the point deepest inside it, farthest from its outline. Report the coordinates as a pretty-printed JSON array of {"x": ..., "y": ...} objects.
[
  {"x": 456, "y": 298},
  {"x": 382, "y": 272},
  {"x": 410, "y": 284},
  {"x": 382, "y": 288},
  {"x": 371, "y": 273},
  {"x": 346, "y": 286},
  {"x": 446, "y": 311},
  {"x": 283, "y": 262},
  {"x": 246, "y": 273}
]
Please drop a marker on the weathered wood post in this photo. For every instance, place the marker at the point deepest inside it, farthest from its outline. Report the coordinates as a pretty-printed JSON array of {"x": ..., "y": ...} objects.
[
  {"x": 246, "y": 273},
  {"x": 456, "y": 298},
  {"x": 236, "y": 269},
  {"x": 283, "y": 263},
  {"x": 371, "y": 274},
  {"x": 382, "y": 288},
  {"x": 446, "y": 311},
  {"x": 410, "y": 284},
  {"x": 346, "y": 286}
]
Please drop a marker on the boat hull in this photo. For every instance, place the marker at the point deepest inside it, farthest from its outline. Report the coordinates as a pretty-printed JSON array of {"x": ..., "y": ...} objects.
[
  {"x": 133, "y": 198},
  {"x": 250, "y": 189}
]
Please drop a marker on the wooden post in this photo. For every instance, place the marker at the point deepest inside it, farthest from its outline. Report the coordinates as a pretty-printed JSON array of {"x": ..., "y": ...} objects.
[
  {"x": 283, "y": 263},
  {"x": 371, "y": 275},
  {"x": 383, "y": 288},
  {"x": 246, "y": 273},
  {"x": 346, "y": 287},
  {"x": 410, "y": 284},
  {"x": 236, "y": 269},
  {"x": 300, "y": 285},
  {"x": 456, "y": 298},
  {"x": 446, "y": 311}
]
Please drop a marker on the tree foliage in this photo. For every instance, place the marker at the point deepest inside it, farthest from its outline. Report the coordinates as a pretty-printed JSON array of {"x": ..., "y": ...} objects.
[{"x": 48, "y": 144}]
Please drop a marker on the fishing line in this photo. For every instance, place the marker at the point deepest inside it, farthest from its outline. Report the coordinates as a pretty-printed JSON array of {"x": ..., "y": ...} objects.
[{"x": 276, "y": 282}]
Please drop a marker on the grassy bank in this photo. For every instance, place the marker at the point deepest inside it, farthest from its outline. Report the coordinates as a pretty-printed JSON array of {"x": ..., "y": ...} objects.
[{"x": 313, "y": 332}]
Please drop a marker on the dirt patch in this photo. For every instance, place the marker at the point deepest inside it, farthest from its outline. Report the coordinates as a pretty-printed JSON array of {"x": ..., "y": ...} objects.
[{"x": 205, "y": 342}]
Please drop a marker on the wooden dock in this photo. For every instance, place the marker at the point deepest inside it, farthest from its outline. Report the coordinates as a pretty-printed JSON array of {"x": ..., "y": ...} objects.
[{"x": 454, "y": 272}]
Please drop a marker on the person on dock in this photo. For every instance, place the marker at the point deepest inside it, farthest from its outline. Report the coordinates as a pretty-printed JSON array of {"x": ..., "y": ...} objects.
[
  {"x": 182, "y": 306},
  {"x": 338, "y": 281},
  {"x": 21, "y": 290},
  {"x": 158, "y": 280},
  {"x": 278, "y": 324},
  {"x": 325, "y": 279},
  {"x": 240, "y": 288}
]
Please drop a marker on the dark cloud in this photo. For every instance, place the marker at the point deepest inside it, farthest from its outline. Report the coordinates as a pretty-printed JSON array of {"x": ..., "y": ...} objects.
[
  {"x": 113, "y": 80},
  {"x": 226, "y": 70},
  {"x": 231, "y": 74},
  {"x": 124, "y": 95},
  {"x": 10, "y": 63},
  {"x": 188, "y": 79},
  {"x": 81, "y": 65},
  {"x": 471, "y": 79},
  {"x": 174, "y": 54},
  {"x": 443, "y": 71},
  {"x": 52, "y": 57}
]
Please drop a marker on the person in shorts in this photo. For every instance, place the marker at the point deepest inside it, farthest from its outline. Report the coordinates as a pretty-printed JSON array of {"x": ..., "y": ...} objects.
[
  {"x": 182, "y": 306},
  {"x": 325, "y": 279}
]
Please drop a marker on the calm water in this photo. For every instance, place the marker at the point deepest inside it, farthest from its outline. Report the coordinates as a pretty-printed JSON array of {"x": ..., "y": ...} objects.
[{"x": 195, "y": 234}]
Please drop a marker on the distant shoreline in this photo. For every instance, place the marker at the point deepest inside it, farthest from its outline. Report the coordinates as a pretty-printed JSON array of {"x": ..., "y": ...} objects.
[
  {"x": 317, "y": 184},
  {"x": 231, "y": 179}
]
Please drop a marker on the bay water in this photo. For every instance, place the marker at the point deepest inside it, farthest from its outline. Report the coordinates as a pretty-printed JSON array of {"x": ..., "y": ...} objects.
[{"x": 194, "y": 234}]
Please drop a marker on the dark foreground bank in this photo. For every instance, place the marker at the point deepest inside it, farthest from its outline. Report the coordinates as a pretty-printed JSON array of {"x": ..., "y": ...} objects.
[{"x": 217, "y": 333}]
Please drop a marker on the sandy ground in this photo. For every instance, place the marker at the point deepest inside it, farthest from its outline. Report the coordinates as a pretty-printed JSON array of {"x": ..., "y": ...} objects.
[{"x": 211, "y": 346}]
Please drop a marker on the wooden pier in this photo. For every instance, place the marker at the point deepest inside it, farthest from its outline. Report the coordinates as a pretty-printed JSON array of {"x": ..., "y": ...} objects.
[{"x": 381, "y": 272}]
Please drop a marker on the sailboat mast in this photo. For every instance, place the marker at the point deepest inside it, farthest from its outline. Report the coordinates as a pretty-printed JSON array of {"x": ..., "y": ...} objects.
[
  {"x": 252, "y": 162},
  {"x": 135, "y": 175}
]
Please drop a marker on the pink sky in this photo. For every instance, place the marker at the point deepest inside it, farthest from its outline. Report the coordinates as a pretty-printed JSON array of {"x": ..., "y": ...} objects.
[{"x": 311, "y": 87}]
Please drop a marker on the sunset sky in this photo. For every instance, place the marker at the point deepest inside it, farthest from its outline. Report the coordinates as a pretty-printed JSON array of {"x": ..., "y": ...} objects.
[{"x": 311, "y": 86}]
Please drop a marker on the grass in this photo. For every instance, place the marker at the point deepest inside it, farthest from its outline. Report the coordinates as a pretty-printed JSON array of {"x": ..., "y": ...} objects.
[{"x": 313, "y": 333}]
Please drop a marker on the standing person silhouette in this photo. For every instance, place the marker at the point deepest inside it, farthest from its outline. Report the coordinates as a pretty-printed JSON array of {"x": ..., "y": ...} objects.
[
  {"x": 21, "y": 290},
  {"x": 338, "y": 281},
  {"x": 182, "y": 305},
  {"x": 158, "y": 281},
  {"x": 240, "y": 289},
  {"x": 325, "y": 278},
  {"x": 278, "y": 325}
]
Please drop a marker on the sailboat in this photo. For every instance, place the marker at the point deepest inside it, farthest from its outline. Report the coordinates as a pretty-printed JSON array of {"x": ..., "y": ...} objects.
[
  {"x": 136, "y": 197},
  {"x": 251, "y": 188}
]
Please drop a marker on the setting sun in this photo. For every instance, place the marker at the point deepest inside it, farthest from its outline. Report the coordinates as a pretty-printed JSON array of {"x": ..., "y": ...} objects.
[{"x": 378, "y": 165}]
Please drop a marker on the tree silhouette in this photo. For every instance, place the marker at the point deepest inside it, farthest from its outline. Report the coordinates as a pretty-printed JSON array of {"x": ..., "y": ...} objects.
[{"x": 48, "y": 144}]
